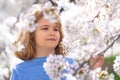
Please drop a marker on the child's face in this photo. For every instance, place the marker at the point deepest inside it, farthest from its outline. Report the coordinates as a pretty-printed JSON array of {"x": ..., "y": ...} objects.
[{"x": 47, "y": 34}]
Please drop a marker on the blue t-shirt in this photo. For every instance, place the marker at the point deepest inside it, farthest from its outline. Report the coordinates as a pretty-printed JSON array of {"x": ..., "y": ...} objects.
[{"x": 32, "y": 70}]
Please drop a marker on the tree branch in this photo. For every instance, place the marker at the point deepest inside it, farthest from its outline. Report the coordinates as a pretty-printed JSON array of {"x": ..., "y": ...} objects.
[
  {"x": 116, "y": 37},
  {"x": 111, "y": 44},
  {"x": 53, "y": 3}
]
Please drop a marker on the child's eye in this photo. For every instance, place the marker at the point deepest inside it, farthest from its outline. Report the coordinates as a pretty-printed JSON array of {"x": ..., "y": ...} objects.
[
  {"x": 56, "y": 29},
  {"x": 44, "y": 28}
]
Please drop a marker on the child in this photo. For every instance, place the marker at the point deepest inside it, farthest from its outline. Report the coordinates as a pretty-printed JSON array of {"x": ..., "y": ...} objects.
[{"x": 38, "y": 44}]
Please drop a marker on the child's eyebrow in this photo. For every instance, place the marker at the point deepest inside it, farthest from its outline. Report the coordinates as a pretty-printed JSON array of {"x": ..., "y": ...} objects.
[
  {"x": 57, "y": 25},
  {"x": 44, "y": 26}
]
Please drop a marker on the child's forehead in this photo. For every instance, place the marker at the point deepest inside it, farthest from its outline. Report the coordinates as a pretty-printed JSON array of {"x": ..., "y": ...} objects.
[{"x": 43, "y": 21}]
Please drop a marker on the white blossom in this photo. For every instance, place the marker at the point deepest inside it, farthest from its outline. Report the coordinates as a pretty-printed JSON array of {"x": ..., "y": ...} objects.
[
  {"x": 27, "y": 22},
  {"x": 70, "y": 77},
  {"x": 53, "y": 66},
  {"x": 93, "y": 18},
  {"x": 99, "y": 74},
  {"x": 116, "y": 65},
  {"x": 49, "y": 12}
]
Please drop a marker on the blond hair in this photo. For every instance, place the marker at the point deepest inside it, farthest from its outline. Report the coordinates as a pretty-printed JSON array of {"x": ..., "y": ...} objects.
[{"x": 28, "y": 39}]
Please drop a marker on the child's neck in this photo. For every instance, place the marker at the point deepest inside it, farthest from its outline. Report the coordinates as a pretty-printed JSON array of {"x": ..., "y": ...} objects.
[{"x": 44, "y": 52}]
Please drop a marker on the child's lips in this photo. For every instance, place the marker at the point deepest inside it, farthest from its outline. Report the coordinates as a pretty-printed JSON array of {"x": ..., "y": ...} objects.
[{"x": 51, "y": 39}]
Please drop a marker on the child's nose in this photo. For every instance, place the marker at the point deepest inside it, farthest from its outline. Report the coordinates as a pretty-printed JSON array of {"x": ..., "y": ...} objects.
[{"x": 51, "y": 33}]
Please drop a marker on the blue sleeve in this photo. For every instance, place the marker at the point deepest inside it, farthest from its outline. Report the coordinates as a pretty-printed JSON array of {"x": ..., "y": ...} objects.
[
  {"x": 14, "y": 75},
  {"x": 73, "y": 64},
  {"x": 70, "y": 60}
]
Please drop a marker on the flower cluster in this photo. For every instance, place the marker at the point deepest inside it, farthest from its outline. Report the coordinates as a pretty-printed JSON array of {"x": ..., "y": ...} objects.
[
  {"x": 99, "y": 74},
  {"x": 18, "y": 46},
  {"x": 116, "y": 65},
  {"x": 27, "y": 22},
  {"x": 58, "y": 67},
  {"x": 49, "y": 12},
  {"x": 54, "y": 66},
  {"x": 96, "y": 18},
  {"x": 27, "y": 19}
]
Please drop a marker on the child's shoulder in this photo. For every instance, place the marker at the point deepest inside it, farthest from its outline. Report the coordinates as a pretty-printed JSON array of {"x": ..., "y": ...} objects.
[{"x": 24, "y": 64}]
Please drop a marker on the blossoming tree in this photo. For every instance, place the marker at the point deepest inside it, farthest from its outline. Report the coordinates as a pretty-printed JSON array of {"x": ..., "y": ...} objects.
[{"x": 90, "y": 26}]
